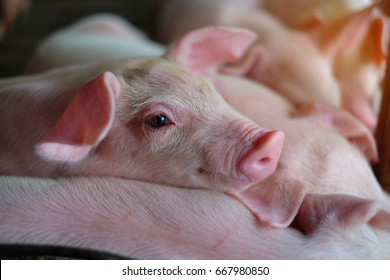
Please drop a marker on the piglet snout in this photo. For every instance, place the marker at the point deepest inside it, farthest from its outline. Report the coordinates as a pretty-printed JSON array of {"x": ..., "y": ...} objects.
[{"x": 261, "y": 160}]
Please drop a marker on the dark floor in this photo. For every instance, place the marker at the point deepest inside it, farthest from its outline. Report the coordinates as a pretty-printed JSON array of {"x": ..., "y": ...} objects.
[{"x": 45, "y": 16}]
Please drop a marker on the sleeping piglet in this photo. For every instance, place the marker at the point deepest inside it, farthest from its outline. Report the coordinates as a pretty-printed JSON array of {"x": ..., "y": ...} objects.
[{"x": 148, "y": 119}]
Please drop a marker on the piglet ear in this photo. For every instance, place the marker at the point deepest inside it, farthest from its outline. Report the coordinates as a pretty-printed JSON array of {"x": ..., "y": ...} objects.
[
  {"x": 85, "y": 122},
  {"x": 204, "y": 50},
  {"x": 275, "y": 202},
  {"x": 339, "y": 210},
  {"x": 344, "y": 34}
]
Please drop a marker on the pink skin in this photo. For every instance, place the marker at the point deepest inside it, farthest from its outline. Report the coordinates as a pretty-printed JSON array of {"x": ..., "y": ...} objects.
[
  {"x": 305, "y": 70},
  {"x": 105, "y": 122},
  {"x": 148, "y": 221}
]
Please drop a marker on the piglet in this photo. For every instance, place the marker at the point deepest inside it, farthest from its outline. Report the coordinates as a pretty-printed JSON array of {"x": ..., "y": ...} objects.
[
  {"x": 96, "y": 38},
  {"x": 354, "y": 35},
  {"x": 148, "y": 119},
  {"x": 357, "y": 45},
  {"x": 148, "y": 221}
]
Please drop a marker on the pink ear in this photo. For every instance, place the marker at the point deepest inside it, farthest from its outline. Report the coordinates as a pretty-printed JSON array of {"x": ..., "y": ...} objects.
[
  {"x": 204, "y": 50},
  {"x": 274, "y": 203},
  {"x": 345, "y": 124},
  {"x": 339, "y": 210},
  {"x": 345, "y": 34},
  {"x": 85, "y": 122}
]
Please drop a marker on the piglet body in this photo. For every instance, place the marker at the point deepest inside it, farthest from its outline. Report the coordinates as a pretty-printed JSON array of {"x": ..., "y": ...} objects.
[{"x": 148, "y": 221}]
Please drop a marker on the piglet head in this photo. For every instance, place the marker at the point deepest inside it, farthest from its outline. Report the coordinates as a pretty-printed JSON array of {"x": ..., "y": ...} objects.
[
  {"x": 155, "y": 121},
  {"x": 204, "y": 52},
  {"x": 182, "y": 132},
  {"x": 357, "y": 43}
]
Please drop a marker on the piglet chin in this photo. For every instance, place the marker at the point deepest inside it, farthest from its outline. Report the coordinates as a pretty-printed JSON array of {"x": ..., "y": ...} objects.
[{"x": 261, "y": 160}]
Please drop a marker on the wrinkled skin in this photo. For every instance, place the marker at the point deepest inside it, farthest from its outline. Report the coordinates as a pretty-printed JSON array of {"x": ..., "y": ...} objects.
[
  {"x": 313, "y": 66},
  {"x": 147, "y": 221}
]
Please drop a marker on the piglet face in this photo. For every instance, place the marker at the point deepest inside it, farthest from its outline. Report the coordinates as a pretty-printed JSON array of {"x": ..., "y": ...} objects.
[
  {"x": 172, "y": 127},
  {"x": 152, "y": 120}
]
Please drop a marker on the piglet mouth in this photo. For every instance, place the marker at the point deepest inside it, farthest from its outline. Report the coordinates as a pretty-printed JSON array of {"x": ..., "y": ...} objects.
[{"x": 222, "y": 181}]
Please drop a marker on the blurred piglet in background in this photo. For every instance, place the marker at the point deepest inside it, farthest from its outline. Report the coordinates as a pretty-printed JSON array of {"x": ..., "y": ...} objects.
[
  {"x": 96, "y": 38},
  {"x": 340, "y": 63}
]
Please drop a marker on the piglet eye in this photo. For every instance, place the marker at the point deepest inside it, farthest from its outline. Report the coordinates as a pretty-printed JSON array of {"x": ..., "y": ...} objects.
[{"x": 157, "y": 121}]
